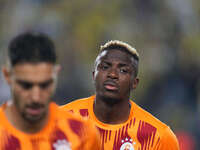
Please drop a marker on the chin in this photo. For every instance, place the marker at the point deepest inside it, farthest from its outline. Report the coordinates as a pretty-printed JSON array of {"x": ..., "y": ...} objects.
[
  {"x": 111, "y": 99},
  {"x": 33, "y": 119}
]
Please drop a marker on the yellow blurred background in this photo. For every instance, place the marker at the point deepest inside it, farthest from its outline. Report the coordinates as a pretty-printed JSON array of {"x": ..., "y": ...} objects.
[{"x": 166, "y": 34}]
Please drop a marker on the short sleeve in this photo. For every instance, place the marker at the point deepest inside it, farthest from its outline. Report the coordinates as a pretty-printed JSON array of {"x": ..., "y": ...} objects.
[{"x": 168, "y": 140}]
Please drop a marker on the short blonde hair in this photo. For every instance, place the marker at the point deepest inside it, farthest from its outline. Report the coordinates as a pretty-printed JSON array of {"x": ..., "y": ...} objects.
[{"x": 119, "y": 44}]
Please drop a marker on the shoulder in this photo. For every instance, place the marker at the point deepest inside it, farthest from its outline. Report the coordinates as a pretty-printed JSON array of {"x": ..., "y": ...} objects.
[
  {"x": 77, "y": 124},
  {"x": 147, "y": 117},
  {"x": 65, "y": 119},
  {"x": 65, "y": 114},
  {"x": 168, "y": 139},
  {"x": 74, "y": 127},
  {"x": 2, "y": 116},
  {"x": 78, "y": 103}
]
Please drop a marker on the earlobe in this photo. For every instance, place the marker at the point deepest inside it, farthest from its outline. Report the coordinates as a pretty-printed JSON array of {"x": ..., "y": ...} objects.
[
  {"x": 135, "y": 83},
  {"x": 6, "y": 74},
  {"x": 57, "y": 69},
  {"x": 93, "y": 72}
]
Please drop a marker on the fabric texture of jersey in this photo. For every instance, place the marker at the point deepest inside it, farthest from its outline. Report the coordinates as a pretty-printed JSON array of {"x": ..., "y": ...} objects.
[
  {"x": 141, "y": 131},
  {"x": 64, "y": 131}
]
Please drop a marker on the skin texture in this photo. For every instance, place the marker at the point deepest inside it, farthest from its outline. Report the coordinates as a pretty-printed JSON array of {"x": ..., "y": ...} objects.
[
  {"x": 114, "y": 78},
  {"x": 32, "y": 86}
]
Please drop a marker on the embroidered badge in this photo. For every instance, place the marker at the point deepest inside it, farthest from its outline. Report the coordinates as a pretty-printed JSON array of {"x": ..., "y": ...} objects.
[
  {"x": 62, "y": 145},
  {"x": 127, "y": 144}
]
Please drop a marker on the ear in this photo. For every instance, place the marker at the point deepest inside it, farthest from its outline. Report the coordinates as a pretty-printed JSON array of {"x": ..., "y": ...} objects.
[
  {"x": 135, "y": 83},
  {"x": 57, "y": 69},
  {"x": 7, "y": 74},
  {"x": 93, "y": 73}
]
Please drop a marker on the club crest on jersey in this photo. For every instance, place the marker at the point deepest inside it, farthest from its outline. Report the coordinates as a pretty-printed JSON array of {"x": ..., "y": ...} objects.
[
  {"x": 127, "y": 144},
  {"x": 62, "y": 145}
]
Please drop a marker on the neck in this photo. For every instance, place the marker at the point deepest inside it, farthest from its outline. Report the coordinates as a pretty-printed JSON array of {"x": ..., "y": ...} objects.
[
  {"x": 112, "y": 114},
  {"x": 16, "y": 120}
]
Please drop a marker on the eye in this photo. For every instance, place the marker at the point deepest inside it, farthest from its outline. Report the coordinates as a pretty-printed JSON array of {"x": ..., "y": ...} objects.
[
  {"x": 25, "y": 85},
  {"x": 104, "y": 66},
  {"x": 123, "y": 70},
  {"x": 45, "y": 84}
]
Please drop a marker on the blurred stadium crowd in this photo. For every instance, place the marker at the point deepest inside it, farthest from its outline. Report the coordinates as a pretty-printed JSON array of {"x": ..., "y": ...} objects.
[{"x": 165, "y": 33}]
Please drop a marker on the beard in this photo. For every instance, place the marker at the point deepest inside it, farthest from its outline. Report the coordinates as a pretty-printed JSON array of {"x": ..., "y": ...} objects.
[
  {"x": 34, "y": 118},
  {"x": 30, "y": 118}
]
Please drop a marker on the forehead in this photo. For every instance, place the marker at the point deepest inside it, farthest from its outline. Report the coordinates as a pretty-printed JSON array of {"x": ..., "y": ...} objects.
[
  {"x": 33, "y": 72},
  {"x": 115, "y": 55}
]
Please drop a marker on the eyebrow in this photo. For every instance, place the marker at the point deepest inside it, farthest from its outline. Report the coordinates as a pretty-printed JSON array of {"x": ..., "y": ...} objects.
[
  {"x": 124, "y": 65},
  {"x": 105, "y": 62},
  {"x": 120, "y": 64},
  {"x": 32, "y": 83}
]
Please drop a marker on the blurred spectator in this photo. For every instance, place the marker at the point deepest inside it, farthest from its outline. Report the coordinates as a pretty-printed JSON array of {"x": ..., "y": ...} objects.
[{"x": 186, "y": 141}]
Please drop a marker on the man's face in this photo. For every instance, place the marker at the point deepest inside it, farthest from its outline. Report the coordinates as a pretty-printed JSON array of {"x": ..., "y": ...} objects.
[
  {"x": 32, "y": 86},
  {"x": 114, "y": 75}
]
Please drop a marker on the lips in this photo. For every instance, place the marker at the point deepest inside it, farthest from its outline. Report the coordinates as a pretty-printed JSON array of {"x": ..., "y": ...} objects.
[
  {"x": 34, "y": 110},
  {"x": 111, "y": 86}
]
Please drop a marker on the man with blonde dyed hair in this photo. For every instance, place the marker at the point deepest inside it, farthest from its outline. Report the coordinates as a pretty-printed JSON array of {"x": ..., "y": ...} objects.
[{"x": 123, "y": 125}]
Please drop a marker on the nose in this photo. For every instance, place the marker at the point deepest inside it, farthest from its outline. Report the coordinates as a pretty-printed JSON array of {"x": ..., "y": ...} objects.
[
  {"x": 113, "y": 73},
  {"x": 36, "y": 93}
]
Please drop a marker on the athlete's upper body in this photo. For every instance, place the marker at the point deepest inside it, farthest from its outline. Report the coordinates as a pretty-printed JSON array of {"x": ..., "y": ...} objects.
[
  {"x": 30, "y": 121},
  {"x": 62, "y": 131},
  {"x": 141, "y": 130},
  {"x": 123, "y": 124}
]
